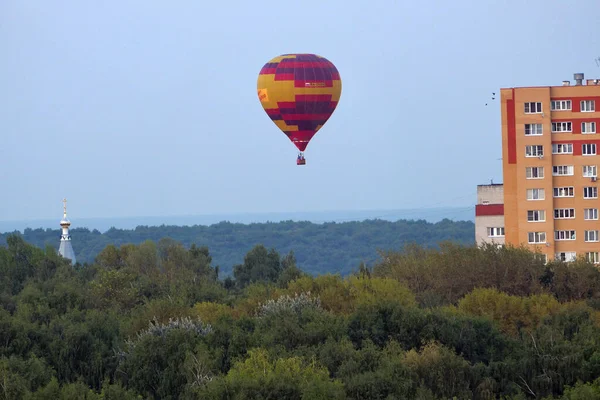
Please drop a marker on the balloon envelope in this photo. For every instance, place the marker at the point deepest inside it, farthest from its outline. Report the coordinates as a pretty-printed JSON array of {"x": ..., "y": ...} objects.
[{"x": 299, "y": 92}]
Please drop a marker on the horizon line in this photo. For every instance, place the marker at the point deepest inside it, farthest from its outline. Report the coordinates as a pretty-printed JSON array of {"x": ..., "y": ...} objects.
[{"x": 239, "y": 213}]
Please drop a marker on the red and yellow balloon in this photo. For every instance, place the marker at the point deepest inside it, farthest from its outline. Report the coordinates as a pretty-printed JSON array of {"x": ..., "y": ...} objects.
[{"x": 299, "y": 92}]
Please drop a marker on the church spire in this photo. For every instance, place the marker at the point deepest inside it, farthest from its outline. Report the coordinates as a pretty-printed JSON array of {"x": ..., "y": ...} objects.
[{"x": 66, "y": 249}]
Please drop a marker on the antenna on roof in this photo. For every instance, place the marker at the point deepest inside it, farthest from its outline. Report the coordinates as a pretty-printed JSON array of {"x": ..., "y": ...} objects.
[{"x": 597, "y": 61}]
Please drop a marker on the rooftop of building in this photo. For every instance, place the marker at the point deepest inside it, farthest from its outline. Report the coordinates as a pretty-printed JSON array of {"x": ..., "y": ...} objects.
[
  {"x": 579, "y": 80},
  {"x": 490, "y": 184}
]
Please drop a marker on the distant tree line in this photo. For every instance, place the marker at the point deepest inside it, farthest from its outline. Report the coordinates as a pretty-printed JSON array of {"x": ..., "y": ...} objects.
[
  {"x": 319, "y": 248},
  {"x": 153, "y": 321}
]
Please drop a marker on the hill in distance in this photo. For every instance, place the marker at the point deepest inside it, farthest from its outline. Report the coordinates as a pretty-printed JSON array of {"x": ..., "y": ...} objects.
[
  {"x": 319, "y": 247},
  {"x": 103, "y": 224}
]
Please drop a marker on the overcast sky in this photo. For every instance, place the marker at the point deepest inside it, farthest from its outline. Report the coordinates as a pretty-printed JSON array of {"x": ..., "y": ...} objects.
[{"x": 137, "y": 108}]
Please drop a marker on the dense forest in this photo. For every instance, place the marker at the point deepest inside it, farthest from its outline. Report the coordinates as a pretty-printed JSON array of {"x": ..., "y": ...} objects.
[
  {"x": 319, "y": 248},
  {"x": 153, "y": 321}
]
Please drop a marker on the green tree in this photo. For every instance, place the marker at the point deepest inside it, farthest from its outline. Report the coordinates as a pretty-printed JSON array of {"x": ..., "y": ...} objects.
[
  {"x": 442, "y": 371},
  {"x": 259, "y": 377},
  {"x": 260, "y": 265},
  {"x": 152, "y": 362}
]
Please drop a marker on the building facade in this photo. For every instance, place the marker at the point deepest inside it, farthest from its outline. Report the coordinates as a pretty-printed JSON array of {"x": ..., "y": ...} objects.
[
  {"x": 489, "y": 214},
  {"x": 550, "y": 145}
]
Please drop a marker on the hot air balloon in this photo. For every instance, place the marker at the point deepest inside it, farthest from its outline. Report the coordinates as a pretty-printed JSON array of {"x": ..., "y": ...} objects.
[{"x": 299, "y": 92}]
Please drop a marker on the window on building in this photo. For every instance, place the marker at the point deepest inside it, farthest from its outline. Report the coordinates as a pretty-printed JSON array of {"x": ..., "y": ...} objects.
[
  {"x": 533, "y": 108},
  {"x": 560, "y": 105},
  {"x": 495, "y": 231},
  {"x": 534, "y": 172},
  {"x": 562, "y": 148},
  {"x": 562, "y": 170},
  {"x": 535, "y": 150},
  {"x": 562, "y": 126},
  {"x": 588, "y": 127},
  {"x": 536, "y": 194},
  {"x": 534, "y": 129},
  {"x": 588, "y": 105},
  {"x": 590, "y": 192},
  {"x": 564, "y": 235},
  {"x": 593, "y": 257},
  {"x": 591, "y": 236},
  {"x": 537, "y": 237},
  {"x": 567, "y": 256},
  {"x": 589, "y": 171},
  {"x": 588, "y": 149},
  {"x": 590, "y": 214},
  {"x": 536, "y": 215},
  {"x": 565, "y": 191},
  {"x": 542, "y": 257},
  {"x": 564, "y": 213}
]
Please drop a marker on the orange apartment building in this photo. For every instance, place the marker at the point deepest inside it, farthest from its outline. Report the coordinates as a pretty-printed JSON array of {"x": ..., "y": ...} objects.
[{"x": 550, "y": 159}]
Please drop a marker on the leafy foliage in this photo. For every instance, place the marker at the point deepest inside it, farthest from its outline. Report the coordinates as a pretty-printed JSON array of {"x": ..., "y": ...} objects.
[{"x": 153, "y": 320}]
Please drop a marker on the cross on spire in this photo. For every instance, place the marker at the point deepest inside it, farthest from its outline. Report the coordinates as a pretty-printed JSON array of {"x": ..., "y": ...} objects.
[{"x": 65, "y": 208}]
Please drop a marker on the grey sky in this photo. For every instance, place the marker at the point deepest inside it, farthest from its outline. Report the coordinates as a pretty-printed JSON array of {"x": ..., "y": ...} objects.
[{"x": 132, "y": 108}]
